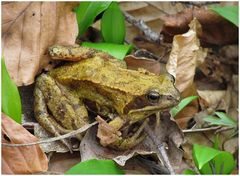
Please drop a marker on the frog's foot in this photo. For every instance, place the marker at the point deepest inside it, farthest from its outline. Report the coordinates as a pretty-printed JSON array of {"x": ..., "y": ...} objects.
[
  {"x": 130, "y": 142},
  {"x": 110, "y": 136}
]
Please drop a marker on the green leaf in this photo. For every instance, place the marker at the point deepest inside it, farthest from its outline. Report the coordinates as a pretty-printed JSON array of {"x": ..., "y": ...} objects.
[
  {"x": 113, "y": 25},
  {"x": 86, "y": 12},
  {"x": 118, "y": 51},
  {"x": 222, "y": 162},
  {"x": 216, "y": 142},
  {"x": 228, "y": 12},
  {"x": 223, "y": 120},
  {"x": 95, "y": 167},
  {"x": 11, "y": 102},
  {"x": 189, "y": 172},
  {"x": 202, "y": 155},
  {"x": 184, "y": 102}
]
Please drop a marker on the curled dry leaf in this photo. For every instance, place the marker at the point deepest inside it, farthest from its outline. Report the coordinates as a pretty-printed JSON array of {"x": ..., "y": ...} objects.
[
  {"x": 106, "y": 133},
  {"x": 20, "y": 160},
  {"x": 185, "y": 56},
  {"x": 213, "y": 98},
  {"x": 167, "y": 132},
  {"x": 216, "y": 29},
  {"x": 28, "y": 28}
]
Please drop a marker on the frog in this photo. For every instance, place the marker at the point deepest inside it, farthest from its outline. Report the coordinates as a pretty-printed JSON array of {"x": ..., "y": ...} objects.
[{"x": 95, "y": 81}]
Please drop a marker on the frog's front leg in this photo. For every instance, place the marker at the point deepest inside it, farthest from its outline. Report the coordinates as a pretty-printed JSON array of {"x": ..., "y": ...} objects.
[
  {"x": 110, "y": 135},
  {"x": 57, "y": 110}
]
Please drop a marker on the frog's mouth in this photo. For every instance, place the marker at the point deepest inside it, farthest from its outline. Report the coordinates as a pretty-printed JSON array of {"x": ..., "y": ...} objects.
[
  {"x": 150, "y": 109},
  {"x": 156, "y": 108}
]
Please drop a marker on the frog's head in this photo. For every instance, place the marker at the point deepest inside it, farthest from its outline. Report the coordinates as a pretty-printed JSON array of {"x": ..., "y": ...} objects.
[{"x": 160, "y": 94}]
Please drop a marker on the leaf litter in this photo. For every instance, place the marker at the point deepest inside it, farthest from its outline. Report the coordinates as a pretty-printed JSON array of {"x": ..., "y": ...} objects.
[
  {"x": 219, "y": 94},
  {"x": 23, "y": 160}
]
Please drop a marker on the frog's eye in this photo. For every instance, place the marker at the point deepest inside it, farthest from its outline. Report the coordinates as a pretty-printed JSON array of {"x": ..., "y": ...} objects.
[{"x": 153, "y": 96}]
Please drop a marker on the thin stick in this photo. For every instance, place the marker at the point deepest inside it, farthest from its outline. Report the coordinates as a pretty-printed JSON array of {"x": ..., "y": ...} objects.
[
  {"x": 161, "y": 149},
  {"x": 201, "y": 129},
  {"x": 73, "y": 133},
  {"x": 141, "y": 25},
  {"x": 199, "y": 3}
]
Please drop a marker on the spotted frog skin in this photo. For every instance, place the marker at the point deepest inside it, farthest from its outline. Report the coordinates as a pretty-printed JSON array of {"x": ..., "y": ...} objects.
[{"x": 102, "y": 84}]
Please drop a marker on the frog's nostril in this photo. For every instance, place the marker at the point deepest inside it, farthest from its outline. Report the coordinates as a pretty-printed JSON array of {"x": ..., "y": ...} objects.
[{"x": 169, "y": 97}]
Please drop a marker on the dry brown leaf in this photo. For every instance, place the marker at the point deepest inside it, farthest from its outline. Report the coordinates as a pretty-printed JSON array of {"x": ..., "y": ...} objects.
[
  {"x": 231, "y": 96},
  {"x": 187, "y": 113},
  {"x": 61, "y": 162},
  {"x": 168, "y": 132},
  {"x": 28, "y": 28},
  {"x": 215, "y": 70},
  {"x": 231, "y": 145},
  {"x": 213, "y": 98},
  {"x": 185, "y": 56},
  {"x": 141, "y": 62},
  {"x": 216, "y": 29},
  {"x": 56, "y": 146},
  {"x": 20, "y": 160}
]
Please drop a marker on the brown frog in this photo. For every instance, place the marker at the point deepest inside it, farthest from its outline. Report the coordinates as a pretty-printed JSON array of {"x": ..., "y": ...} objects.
[{"x": 104, "y": 85}]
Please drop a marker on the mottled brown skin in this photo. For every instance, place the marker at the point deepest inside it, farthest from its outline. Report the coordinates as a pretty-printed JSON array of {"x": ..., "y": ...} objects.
[{"x": 114, "y": 90}]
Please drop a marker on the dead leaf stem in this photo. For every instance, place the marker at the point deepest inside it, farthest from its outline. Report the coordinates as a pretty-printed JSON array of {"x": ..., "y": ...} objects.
[
  {"x": 217, "y": 128},
  {"x": 141, "y": 25},
  {"x": 80, "y": 130},
  {"x": 198, "y": 4},
  {"x": 161, "y": 149}
]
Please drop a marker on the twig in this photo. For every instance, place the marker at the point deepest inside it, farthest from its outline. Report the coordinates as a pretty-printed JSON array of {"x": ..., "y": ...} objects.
[
  {"x": 223, "y": 129},
  {"x": 161, "y": 149},
  {"x": 199, "y": 3},
  {"x": 201, "y": 129},
  {"x": 141, "y": 25},
  {"x": 217, "y": 128},
  {"x": 73, "y": 133}
]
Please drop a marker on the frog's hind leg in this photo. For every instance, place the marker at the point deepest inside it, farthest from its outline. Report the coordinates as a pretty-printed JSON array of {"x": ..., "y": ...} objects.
[{"x": 45, "y": 119}]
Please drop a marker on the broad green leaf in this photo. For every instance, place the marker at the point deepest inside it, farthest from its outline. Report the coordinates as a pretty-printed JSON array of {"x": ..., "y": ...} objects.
[
  {"x": 228, "y": 12},
  {"x": 113, "y": 25},
  {"x": 202, "y": 155},
  {"x": 86, "y": 12},
  {"x": 95, "y": 167},
  {"x": 222, "y": 119},
  {"x": 222, "y": 161},
  {"x": 223, "y": 164},
  {"x": 118, "y": 51},
  {"x": 184, "y": 102},
  {"x": 11, "y": 102},
  {"x": 189, "y": 172}
]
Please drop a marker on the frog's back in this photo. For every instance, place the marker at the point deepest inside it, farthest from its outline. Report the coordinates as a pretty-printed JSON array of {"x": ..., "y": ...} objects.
[{"x": 106, "y": 74}]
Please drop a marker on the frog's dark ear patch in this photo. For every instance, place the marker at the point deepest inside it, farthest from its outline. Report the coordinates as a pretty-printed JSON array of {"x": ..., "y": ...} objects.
[{"x": 137, "y": 103}]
